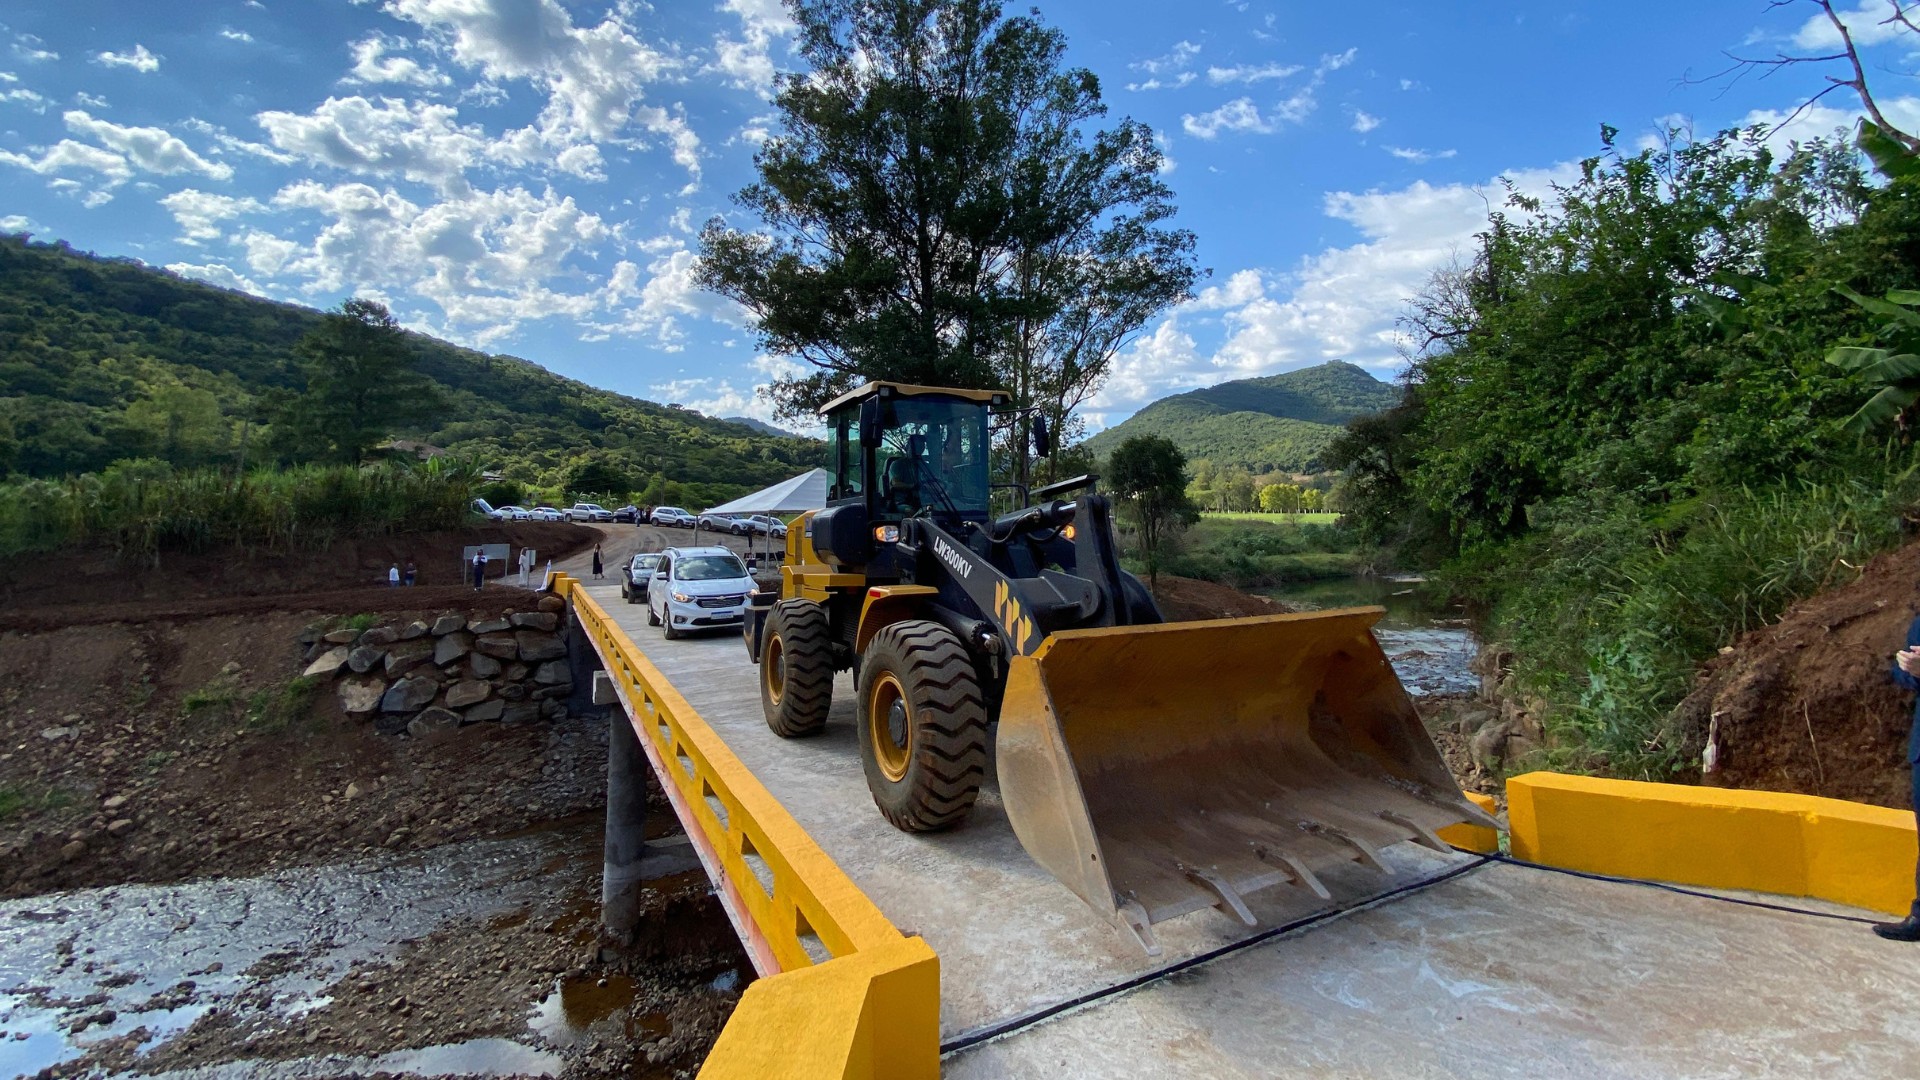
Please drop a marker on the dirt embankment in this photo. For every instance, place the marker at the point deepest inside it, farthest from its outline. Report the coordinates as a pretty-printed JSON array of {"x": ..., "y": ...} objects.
[
  {"x": 1183, "y": 598},
  {"x": 1807, "y": 703}
]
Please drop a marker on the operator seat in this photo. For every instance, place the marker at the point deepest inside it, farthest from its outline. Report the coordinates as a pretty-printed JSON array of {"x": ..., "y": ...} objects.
[{"x": 900, "y": 491}]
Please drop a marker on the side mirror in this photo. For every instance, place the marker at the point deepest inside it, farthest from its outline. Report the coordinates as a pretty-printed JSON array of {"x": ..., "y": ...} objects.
[
  {"x": 1042, "y": 438},
  {"x": 870, "y": 422}
]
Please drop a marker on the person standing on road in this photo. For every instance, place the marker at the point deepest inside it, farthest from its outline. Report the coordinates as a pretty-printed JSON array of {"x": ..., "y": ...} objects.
[
  {"x": 409, "y": 573},
  {"x": 393, "y": 575},
  {"x": 479, "y": 568},
  {"x": 597, "y": 569},
  {"x": 1906, "y": 675}
]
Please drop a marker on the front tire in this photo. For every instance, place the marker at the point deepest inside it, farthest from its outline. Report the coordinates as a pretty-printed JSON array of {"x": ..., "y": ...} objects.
[
  {"x": 796, "y": 668},
  {"x": 653, "y": 618},
  {"x": 922, "y": 726}
]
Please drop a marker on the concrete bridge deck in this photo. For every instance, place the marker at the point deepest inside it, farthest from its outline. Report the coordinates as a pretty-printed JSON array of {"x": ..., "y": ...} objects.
[{"x": 1492, "y": 969}]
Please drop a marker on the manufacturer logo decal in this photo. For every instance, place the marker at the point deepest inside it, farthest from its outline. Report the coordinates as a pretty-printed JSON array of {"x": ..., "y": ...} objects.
[{"x": 952, "y": 558}]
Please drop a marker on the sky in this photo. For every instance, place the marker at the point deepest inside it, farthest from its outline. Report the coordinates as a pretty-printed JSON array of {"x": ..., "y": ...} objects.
[{"x": 529, "y": 176}]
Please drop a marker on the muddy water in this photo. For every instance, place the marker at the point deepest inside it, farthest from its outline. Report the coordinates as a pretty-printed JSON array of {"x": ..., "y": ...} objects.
[
  {"x": 78, "y": 968},
  {"x": 1427, "y": 640}
]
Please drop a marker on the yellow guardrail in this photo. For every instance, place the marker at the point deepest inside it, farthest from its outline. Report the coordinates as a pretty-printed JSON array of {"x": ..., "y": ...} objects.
[
  {"x": 843, "y": 994},
  {"x": 1765, "y": 841}
]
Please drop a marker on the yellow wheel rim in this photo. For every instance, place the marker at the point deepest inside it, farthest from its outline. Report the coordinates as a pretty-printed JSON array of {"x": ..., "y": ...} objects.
[
  {"x": 890, "y": 726},
  {"x": 773, "y": 670}
]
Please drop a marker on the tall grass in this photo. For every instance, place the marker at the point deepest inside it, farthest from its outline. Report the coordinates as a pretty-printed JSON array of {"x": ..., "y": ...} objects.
[
  {"x": 1610, "y": 614},
  {"x": 141, "y": 508},
  {"x": 1247, "y": 552}
]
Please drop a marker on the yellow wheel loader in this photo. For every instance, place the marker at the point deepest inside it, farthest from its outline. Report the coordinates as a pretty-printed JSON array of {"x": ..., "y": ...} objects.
[{"x": 1154, "y": 768}]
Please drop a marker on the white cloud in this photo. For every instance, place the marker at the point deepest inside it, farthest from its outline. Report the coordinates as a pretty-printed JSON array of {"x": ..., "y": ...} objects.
[
  {"x": 20, "y": 95},
  {"x": 139, "y": 59},
  {"x": 66, "y": 156},
  {"x": 747, "y": 61},
  {"x": 91, "y": 101},
  {"x": 1869, "y": 23},
  {"x": 1240, "y": 114},
  {"x": 1250, "y": 74},
  {"x": 1241, "y": 288},
  {"x": 1173, "y": 65},
  {"x": 27, "y": 47},
  {"x": 1419, "y": 157},
  {"x": 216, "y": 274},
  {"x": 153, "y": 149},
  {"x": 267, "y": 254},
  {"x": 231, "y": 34},
  {"x": 420, "y": 141},
  {"x": 1364, "y": 121},
  {"x": 372, "y": 64},
  {"x": 668, "y": 295},
  {"x": 199, "y": 212},
  {"x": 15, "y": 223},
  {"x": 723, "y": 396},
  {"x": 1820, "y": 120}
]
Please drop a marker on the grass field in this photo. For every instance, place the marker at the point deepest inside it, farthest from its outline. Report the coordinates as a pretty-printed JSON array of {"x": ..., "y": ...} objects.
[{"x": 1274, "y": 519}]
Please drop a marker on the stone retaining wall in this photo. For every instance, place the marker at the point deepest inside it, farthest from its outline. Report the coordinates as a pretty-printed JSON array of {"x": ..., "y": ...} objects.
[{"x": 422, "y": 676}]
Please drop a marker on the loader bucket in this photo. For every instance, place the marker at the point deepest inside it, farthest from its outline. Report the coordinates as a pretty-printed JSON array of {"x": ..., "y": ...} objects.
[{"x": 1157, "y": 770}]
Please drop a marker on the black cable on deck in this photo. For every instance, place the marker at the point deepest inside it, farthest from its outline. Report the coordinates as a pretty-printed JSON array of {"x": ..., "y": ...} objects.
[{"x": 1681, "y": 889}]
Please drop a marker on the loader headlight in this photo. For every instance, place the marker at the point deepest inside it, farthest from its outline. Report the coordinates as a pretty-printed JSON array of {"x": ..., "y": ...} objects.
[
  {"x": 886, "y": 534},
  {"x": 683, "y": 598}
]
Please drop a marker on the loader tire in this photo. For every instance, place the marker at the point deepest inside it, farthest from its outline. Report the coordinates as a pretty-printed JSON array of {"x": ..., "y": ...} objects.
[
  {"x": 922, "y": 726},
  {"x": 796, "y": 668}
]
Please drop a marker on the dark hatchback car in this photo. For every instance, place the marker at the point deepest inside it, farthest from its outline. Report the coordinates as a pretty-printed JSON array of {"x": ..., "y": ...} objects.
[
  {"x": 628, "y": 514},
  {"x": 633, "y": 584}
]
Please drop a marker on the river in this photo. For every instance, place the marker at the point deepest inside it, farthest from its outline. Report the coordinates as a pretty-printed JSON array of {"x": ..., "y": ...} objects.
[{"x": 1427, "y": 640}]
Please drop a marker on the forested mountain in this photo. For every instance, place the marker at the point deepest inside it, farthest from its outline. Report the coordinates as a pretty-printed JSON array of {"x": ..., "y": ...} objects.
[
  {"x": 1280, "y": 423},
  {"x": 761, "y": 426},
  {"x": 103, "y": 359}
]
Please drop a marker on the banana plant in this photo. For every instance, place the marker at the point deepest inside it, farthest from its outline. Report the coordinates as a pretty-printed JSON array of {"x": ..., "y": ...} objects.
[{"x": 1895, "y": 371}]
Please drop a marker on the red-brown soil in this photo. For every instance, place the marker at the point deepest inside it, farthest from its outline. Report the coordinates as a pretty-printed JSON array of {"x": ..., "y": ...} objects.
[
  {"x": 1182, "y": 599},
  {"x": 1806, "y": 704}
]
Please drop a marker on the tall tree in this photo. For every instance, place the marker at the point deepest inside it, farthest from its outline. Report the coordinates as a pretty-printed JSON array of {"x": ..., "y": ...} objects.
[
  {"x": 937, "y": 211},
  {"x": 361, "y": 386},
  {"x": 1149, "y": 475}
]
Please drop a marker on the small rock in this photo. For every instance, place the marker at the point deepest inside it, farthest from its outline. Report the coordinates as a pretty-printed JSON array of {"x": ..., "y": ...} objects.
[
  {"x": 490, "y": 626},
  {"x": 114, "y": 803},
  {"x": 482, "y": 666},
  {"x": 467, "y": 692},
  {"x": 514, "y": 691},
  {"x": 329, "y": 663},
  {"x": 518, "y": 672},
  {"x": 486, "y": 710},
  {"x": 535, "y": 620},
  {"x": 432, "y": 720},
  {"x": 552, "y": 603},
  {"x": 551, "y": 673},
  {"x": 340, "y": 637},
  {"x": 361, "y": 695},
  {"x": 364, "y": 658},
  {"x": 452, "y": 646},
  {"x": 413, "y": 630},
  {"x": 447, "y": 624},
  {"x": 170, "y": 847},
  {"x": 535, "y": 645},
  {"x": 499, "y": 645},
  {"x": 72, "y": 849},
  {"x": 55, "y": 734},
  {"x": 121, "y": 827},
  {"x": 409, "y": 695},
  {"x": 353, "y": 790},
  {"x": 1489, "y": 744},
  {"x": 380, "y": 635},
  {"x": 408, "y": 655},
  {"x": 521, "y": 713}
]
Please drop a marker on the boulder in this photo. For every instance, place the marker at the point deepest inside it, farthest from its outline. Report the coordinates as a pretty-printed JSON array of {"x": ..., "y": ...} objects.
[
  {"x": 408, "y": 655},
  {"x": 364, "y": 658},
  {"x": 482, "y": 666},
  {"x": 522, "y": 713},
  {"x": 552, "y": 603},
  {"x": 490, "y": 625},
  {"x": 432, "y": 720},
  {"x": 551, "y": 672},
  {"x": 409, "y": 695},
  {"x": 452, "y": 646},
  {"x": 390, "y": 723},
  {"x": 547, "y": 693},
  {"x": 340, "y": 637},
  {"x": 310, "y": 635},
  {"x": 120, "y": 827},
  {"x": 413, "y": 631},
  {"x": 447, "y": 624},
  {"x": 501, "y": 645},
  {"x": 314, "y": 650},
  {"x": 518, "y": 672},
  {"x": 329, "y": 663},
  {"x": 538, "y": 646},
  {"x": 1489, "y": 744},
  {"x": 514, "y": 691},
  {"x": 380, "y": 635},
  {"x": 467, "y": 692},
  {"x": 360, "y": 695},
  {"x": 486, "y": 710},
  {"x": 536, "y": 620},
  {"x": 553, "y": 709}
]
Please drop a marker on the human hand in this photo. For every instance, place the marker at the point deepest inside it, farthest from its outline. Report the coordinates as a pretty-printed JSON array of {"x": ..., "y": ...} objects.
[{"x": 1909, "y": 661}]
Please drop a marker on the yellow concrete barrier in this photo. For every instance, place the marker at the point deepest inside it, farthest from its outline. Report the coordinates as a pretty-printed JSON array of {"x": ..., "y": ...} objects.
[
  {"x": 1474, "y": 837},
  {"x": 843, "y": 994},
  {"x": 1764, "y": 841}
]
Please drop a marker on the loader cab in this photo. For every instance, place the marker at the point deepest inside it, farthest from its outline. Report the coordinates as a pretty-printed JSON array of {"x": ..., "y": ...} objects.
[{"x": 902, "y": 451}]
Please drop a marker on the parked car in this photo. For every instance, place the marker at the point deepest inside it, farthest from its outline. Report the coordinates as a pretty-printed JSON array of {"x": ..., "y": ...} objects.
[
  {"x": 760, "y": 524},
  {"x": 512, "y": 513},
  {"x": 671, "y": 516},
  {"x": 697, "y": 588},
  {"x": 717, "y": 522},
  {"x": 545, "y": 513},
  {"x": 587, "y": 512},
  {"x": 633, "y": 585},
  {"x": 629, "y": 514},
  {"x": 484, "y": 509}
]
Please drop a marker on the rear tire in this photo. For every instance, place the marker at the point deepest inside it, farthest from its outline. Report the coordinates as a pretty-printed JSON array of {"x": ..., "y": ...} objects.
[
  {"x": 925, "y": 753},
  {"x": 796, "y": 668},
  {"x": 652, "y": 619}
]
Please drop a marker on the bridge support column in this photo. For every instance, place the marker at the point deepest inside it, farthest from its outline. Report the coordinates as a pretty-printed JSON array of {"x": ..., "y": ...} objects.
[{"x": 621, "y": 871}]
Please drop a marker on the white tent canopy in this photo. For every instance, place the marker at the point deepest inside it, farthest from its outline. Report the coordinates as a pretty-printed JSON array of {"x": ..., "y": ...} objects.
[{"x": 808, "y": 491}]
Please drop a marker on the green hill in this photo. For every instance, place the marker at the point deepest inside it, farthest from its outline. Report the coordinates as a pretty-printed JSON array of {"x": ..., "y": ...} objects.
[
  {"x": 1279, "y": 423},
  {"x": 104, "y": 359}
]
